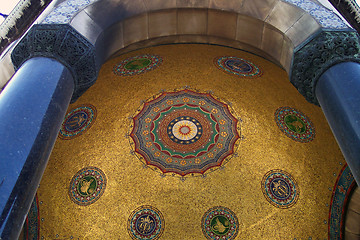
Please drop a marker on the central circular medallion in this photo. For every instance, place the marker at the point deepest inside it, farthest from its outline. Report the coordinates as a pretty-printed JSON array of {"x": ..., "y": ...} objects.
[
  {"x": 184, "y": 132},
  {"x": 220, "y": 223}
]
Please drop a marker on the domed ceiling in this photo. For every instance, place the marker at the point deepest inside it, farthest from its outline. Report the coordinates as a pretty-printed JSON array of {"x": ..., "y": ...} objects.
[{"x": 190, "y": 142}]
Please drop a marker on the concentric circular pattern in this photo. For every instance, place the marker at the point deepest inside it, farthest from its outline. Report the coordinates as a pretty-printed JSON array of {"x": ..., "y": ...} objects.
[
  {"x": 220, "y": 223},
  {"x": 184, "y": 132},
  {"x": 87, "y": 186},
  {"x": 295, "y": 124},
  {"x": 146, "y": 222},
  {"x": 77, "y": 121},
  {"x": 280, "y": 188},
  {"x": 137, "y": 65},
  {"x": 238, "y": 66}
]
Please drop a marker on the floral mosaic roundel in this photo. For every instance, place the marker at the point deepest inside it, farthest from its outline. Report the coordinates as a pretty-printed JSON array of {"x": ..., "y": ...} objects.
[
  {"x": 295, "y": 124},
  {"x": 280, "y": 188},
  {"x": 87, "y": 186},
  {"x": 77, "y": 121},
  {"x": 184, "y": 132},
  {"x": 146, "y": 222},
  {"x": 220, "y": 223},
  {"x": 238, "y": 66},
  {"x": 137, "y": 65}
]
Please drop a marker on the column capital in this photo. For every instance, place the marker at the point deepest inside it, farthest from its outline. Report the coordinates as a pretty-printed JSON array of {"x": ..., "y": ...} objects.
[
  {"x": 66, "y": 45},
  {"x": 323, "y": 51}
]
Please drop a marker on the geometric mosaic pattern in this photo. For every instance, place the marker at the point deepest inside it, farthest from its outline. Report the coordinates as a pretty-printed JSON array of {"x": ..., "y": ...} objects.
[
  {"x": 295, "y": 124},
  {"x": 146, "y": 223},
  {"x": 237, "y": 66},
  {"x": 77, "y": 121},
  {"x": 220, "y": 223},
  {"x": 184, "y": 132},
  {"x": 280, "y": 188},
  {"x": 137, "y": 65},
  {"x": 87, "y": 186}
]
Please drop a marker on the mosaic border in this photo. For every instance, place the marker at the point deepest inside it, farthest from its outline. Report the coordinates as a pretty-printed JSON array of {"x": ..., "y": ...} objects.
[{"x": 343, "y": 187}]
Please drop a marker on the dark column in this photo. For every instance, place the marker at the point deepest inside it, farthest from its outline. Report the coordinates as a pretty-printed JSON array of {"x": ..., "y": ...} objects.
[
  {"x": 338, "y": 92},
  {"x": 32, "y": 108}
]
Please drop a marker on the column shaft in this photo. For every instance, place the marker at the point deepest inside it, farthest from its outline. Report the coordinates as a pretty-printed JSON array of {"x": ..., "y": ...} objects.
[
  {"x": 32, "y": 107},
  {"x": 338, "y": 92}
]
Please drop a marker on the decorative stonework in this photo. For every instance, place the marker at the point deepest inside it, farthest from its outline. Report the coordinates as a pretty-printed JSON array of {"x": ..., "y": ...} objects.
[
  {"x": 325, "y": 17},
  {"x": 220, "y": 223},
  {"x": 137, "y": 65},
  {"x": 184, "y": 132},
  {"x": 87, "y": 186},
  {"x": 66, "y": 10},
  {"x": 322, "y": 52},
  {"x": 64, "y": 44},
  {"x": 146, "y": 223},
  {"x": 77, "y": 121},
  {"x": 342, "y": 189},
  {"x": 237, "y": 66},
  {"x": 280, "y": 188},
  {"x": 295, "y": 124}
]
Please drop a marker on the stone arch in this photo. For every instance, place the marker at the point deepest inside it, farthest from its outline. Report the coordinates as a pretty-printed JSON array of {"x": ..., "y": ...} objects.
[{"x": 272, "y": 29}]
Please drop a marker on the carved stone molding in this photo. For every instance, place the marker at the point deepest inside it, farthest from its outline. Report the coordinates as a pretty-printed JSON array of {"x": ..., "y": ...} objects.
[
  {"x": 313, "y": 59},
  {"x": 63, "y": 43}
]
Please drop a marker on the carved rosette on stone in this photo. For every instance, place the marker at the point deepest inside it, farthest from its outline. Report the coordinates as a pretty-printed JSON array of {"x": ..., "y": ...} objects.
[
  {"x": 322, "y": 52},
  {"x": 66, "y": 45}
]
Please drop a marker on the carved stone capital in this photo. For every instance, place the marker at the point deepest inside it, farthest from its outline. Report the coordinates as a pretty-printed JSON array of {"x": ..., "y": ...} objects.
[
  {"x": 63, "y": 43},
  {"x": 323, "y": 51}
]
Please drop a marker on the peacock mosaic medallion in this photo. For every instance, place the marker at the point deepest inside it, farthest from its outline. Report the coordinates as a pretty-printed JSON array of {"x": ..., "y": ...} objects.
[{"x": 184, "y": 132}]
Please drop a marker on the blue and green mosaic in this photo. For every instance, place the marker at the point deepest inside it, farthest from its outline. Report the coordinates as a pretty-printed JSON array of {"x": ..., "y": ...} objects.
[
  {"x": 77, "y": 121},
  {"x": 238, "y": 66},
  {"x": 295, "y": 124},
  {"x": 87, "y": 186},
  {"x": 146, "y": 223},
  {"x": 280, "y": 188},
  {"x": 137, "y": 65},
  {"x": 220, "y": 223}
]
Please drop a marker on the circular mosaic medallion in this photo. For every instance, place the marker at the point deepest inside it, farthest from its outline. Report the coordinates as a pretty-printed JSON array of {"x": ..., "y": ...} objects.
[
  {"x": 184, "y": 132},
  {"x": 280, "y": 188},
  {"x": 146, "y": 222},
  {"x": 137, "y": 65},
  {"x": 87, "y": 186},
  {"x": 77, "y": 121},
  {"x": 238, "y": 66},
  {"x": 295, "y": 124},
  {"x": 220, "y": 223}
]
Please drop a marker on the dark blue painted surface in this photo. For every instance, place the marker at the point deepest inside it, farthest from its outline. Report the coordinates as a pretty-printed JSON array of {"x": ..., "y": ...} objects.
[
  {"x": 32, "y": 107},
  {"x": 338, "y": 92}
]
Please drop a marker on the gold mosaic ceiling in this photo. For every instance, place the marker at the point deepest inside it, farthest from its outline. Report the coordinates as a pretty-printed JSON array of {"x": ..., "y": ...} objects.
[{"x": 237, "y": 185}]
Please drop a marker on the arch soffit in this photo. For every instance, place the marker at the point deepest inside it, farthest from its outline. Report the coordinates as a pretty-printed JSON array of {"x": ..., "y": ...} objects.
[{"x": 271, "y": 28}]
